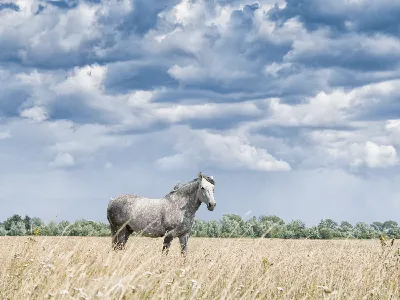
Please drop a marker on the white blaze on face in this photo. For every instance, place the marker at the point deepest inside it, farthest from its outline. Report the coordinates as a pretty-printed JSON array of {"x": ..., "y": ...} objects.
[{"x": 207, "y": 192}]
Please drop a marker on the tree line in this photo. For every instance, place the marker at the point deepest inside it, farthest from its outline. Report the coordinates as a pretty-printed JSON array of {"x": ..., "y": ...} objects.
[
  {"x": 229, "y": 226},
  {"x": 19, "y": 226}
]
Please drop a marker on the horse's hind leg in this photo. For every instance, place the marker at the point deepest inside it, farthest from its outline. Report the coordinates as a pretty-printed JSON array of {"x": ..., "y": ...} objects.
[
  {"x": 167, "y": 243},
  {"x": 183, "y": 239},
  {"x": 120, "y": 238}
]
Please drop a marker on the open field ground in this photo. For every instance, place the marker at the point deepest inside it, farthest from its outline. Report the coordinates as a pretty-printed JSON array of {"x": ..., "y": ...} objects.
[{"x": 86, "y": 268}]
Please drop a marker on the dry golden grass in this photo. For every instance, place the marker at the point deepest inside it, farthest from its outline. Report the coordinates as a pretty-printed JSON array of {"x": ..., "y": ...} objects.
[{"x": 86, "y": 268}]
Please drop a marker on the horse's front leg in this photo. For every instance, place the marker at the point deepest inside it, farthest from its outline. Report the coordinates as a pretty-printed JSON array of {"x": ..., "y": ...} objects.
[
  {"x": 183, "y": 239},
  {"x": 167, "y": 243}
]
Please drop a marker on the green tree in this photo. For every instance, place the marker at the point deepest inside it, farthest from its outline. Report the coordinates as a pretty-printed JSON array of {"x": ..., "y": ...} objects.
[
  {"x": 346, "y": 230},
  {"x": 231, "y": 226},
  {"x": 394, "y": 233},
  {"x": 378, "y": 226},
  {"x": 213, "y": 229},
  {"x": 63, "y": 228},
  {"x": 364, "y": 231},
  {"x": 328, "y": 223},
  {"x": 37, "y": 222},
  {"x": 274, "y": 219},
  {"x": 389, "y": 227},
  {"x": 326, "y": 233},
  {"x": 12, "y": 220},
  {"x": 251, "y": 228},
  {"x": 49, "y": 229},
  {"x": 28, "y": 224},
  {"x": 88, "y": 228},
  {"x": 328, "y": 229},
  {"x": 271, "y": 226},
  {"x": 295, "y": 229},
  {"x": 313, "y": 232},
  {"x": 199, "y": 228},
  {"x": 3, "y": 231},
  {"x": 17, "y": 229}
]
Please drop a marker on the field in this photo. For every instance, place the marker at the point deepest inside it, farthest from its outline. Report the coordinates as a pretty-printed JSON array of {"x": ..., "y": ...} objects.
[{"x": 86, "y": 268}]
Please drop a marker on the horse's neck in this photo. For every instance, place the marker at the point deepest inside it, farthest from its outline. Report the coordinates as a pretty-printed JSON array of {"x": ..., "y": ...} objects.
[
  {"x": 187, "y": 199},
  {"x": 192, "y": 205}
]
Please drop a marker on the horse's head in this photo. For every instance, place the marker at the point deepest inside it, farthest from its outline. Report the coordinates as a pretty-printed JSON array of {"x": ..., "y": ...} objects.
[{"x": 205, "y": 192}]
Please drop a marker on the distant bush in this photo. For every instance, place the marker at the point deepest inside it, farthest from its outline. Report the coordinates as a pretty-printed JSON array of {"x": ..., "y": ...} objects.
[
  {"x": 230, "y": 225},
  {"x": 3, "y": 231},
  {"x": 17, "y": 229}
]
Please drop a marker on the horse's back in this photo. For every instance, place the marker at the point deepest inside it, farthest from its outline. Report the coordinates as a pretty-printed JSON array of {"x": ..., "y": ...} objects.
[
  {"x": 119, "y": 207},
  {"x": 139, "y": 212}
]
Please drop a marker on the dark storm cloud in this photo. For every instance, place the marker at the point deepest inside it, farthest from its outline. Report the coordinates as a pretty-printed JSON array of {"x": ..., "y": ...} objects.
[
  {"x": 377, "y": 107},
  {"x": 68, "y": 4},
  {"x": 202, "y": 52},
  {"x": 223, "y": 122},
  {"x": 74, "y": 107},
  {"x": 122, "y": 78},
  {"x": 144, "y": 15},
  {"x": 292, "y": 134},
  {"x": 344, "y": 16},
  {"x": 349, "y": 51},
  {"x": 11, "y": 100},
  {"x": 10, "y": 5}
]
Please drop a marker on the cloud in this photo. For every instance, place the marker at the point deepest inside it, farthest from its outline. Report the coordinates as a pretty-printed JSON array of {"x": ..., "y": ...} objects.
[
  {"x": 279, "y": 89},
  {"x": 84, "y": 79},
  {"x": 368, "y": 154},
  {"x": 118, "y": 91},
  {"x": 229, "y": 151},
  {"x": 377, "y": 52},
  {"x": 379, "y": 155},
  {"x": 343, "y": 16},
  {"x": 4, "y": 135},
  {"x": 393, "y": 124},
  {"x": 63, "y": 160},
  {"x": 35, "y": 113},
  {"x": 38, "y": 40},
  {"x": 12, "y": 6}
]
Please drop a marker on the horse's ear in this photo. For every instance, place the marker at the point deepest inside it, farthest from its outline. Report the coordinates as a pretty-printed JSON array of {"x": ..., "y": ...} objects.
[
  {"x": 200, "y": 175},
  {"x": 212, "y": 177}
]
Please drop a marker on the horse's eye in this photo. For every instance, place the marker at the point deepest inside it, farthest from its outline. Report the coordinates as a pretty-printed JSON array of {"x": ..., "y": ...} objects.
[{"x": 202, "y": 187}]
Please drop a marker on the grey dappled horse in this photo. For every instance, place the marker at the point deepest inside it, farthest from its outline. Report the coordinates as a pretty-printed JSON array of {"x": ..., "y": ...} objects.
[{"x": 168, "y": 217}]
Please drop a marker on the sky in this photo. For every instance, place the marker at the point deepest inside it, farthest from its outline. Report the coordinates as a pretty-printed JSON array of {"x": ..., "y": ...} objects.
[{"x": 293, "y": 106}]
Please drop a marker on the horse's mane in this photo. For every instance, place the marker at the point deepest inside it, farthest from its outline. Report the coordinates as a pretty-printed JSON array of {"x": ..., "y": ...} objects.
[
  {"x": 181, "y": 184},
  {"x": 209, "y": 179}
]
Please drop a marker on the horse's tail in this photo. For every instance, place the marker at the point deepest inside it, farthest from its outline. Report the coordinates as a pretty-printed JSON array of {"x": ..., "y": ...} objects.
[{"x": 108, "y": 214}]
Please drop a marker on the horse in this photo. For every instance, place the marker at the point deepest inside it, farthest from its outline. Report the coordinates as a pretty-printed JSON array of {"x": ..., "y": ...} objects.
[{"x": 169, "y": 217}]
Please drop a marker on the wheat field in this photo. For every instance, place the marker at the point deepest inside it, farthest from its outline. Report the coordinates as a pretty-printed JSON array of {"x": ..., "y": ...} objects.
[{"x": 86, "y": 268}]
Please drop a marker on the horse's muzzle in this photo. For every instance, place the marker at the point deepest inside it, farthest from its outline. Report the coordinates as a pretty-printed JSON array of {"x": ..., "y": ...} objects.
[{"x": 211, "y": 206}]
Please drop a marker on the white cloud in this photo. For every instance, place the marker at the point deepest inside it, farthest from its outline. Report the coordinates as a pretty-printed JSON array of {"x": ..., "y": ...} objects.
[
  {"x": 50, "y": 35},
  {"x": 36, "y": 113},
  {"x": 176, "y": 161},
  {"x": 187, "y": 74},
  {"x": 377, "y": 156},
  {"x": 229, "y": 151},
  {"x": 179, "y": 112},
  {"x": 140, "y": 97},
  {"x": 274, "y": 68},
  {"x": 87, "y": 78},
  {"x": 321, "y": 47},
  {"x": 344, "y": 149},
  {"x": 393, "y": 125},
  {"x": 108, "y": 165},
  {"x": 63, "y": 160},
  {"x": 5, "y": 135},
  {"x": 84, "y": 140},
  {"x": 314, "y": 99}
]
